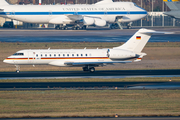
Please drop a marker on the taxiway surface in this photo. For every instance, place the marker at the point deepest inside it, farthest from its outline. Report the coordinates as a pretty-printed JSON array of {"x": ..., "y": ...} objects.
[
  {"x": 96, "y": 35},
  {"x": 81, "y": 74},
  {"x": 87, "y": 85}
]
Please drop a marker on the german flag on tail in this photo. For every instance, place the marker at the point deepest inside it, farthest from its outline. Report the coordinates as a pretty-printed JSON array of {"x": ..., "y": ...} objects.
[{"x": 138, "y": 37}]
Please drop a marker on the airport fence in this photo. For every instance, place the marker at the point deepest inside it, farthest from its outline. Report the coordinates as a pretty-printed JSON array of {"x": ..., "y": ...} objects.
[{"x": 157, "y": 21}]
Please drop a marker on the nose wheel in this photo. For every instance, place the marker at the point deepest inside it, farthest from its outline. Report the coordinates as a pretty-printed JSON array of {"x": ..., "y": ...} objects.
[
  {"x": 92, "y": 69},
  {"x": 17, "y": 68}
]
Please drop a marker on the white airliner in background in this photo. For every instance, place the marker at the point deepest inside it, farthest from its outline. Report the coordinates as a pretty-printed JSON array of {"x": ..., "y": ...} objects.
[
  {"x": 85, "y": 58},
  {"x": 98, "y": 14}
]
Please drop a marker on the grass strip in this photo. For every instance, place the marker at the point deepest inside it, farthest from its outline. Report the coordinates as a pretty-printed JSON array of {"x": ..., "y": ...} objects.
[
  {"x": 137, "y": 79},
  {"x": 89, "y": 103}
]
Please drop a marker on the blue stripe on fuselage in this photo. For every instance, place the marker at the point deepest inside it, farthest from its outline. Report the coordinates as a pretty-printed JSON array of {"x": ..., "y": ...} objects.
[{"x": 72, "y": 13}]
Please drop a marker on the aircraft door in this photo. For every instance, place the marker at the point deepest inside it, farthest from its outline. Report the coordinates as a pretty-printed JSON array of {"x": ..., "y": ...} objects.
[
  {"x": 13, "y": 14},
  {"x": 128, "y": 13},
  {"x": 50, "y": 13},
  {"x": 31, "y": 56}
]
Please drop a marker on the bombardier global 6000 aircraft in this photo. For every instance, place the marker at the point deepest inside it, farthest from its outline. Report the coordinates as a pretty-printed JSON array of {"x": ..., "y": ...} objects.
[{"x": 88, "y": 59}]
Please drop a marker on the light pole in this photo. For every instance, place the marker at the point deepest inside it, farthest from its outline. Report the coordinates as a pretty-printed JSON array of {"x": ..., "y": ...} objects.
[
  {"x": 163, "y": 14},
  {"x": 141, "y": 7},
  {"x": 152, "y": 14}
]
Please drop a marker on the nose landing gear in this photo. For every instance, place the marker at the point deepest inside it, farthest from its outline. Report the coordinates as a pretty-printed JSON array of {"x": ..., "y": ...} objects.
[{"x": 17, "y": 68}]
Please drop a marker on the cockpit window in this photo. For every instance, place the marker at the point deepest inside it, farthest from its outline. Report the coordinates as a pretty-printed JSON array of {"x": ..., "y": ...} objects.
[{"x": 18, "y": 54}]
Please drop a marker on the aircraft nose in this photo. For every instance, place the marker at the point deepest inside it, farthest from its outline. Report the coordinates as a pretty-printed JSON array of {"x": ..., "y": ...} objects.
[{"x": 7, "y": 61}]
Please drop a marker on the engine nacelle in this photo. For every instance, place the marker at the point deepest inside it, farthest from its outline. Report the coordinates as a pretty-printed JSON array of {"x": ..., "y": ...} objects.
[
  {"x": 96, "y": 21},
  {"x": 99, "y": 22},
  {"x": 88, "y": 21},
  {"x": 121, "y": 54},
  {"x": 57, "y": 63}
]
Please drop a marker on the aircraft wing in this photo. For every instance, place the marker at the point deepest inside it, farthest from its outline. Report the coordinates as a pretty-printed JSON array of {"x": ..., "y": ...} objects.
[{"x": 94, "y": 63}]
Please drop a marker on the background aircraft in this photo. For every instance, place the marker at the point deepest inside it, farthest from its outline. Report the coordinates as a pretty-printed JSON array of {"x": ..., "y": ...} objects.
[
  {"x": 85, "y": 58},
  {"x": 174, "y": 5},
  {"x": 98, "y": 14}
]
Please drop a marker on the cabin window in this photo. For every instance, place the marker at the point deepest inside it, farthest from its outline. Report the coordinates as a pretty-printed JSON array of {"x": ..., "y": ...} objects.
[
  {"x": 86, "y": 55},
  {"x": 73, "y": 55},
  {"x": 18, "y": 54},
  {"x": 50, "y": 55},
  {"x": 77, "y": 54},
  {"x": 41, "y": 55},
  {"x": 68, "y": 55},
  {"x": 36, "y": 55},
  {"x": 45, "y": 55},
  {"x": 63, "y": 54},
  {"x": 54, "y": 55},
  {"x": 59, "y": 55},
  {"x": 81, "y": 54}
]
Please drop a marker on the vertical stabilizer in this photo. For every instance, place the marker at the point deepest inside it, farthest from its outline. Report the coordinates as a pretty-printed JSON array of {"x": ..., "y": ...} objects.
[
  {"x": 173, "y": 4},
  {"x": 138, "y": 41},
  {"x": 3, "y": 2}
]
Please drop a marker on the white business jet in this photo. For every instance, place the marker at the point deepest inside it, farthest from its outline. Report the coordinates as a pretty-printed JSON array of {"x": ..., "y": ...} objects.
[
  {"x": 85, "y": 58},
  {"x": 98, "y": 14}
]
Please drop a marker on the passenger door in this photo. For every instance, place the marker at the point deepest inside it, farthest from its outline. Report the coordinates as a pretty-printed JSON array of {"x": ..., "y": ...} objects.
[{"x": 31, "y": 58}]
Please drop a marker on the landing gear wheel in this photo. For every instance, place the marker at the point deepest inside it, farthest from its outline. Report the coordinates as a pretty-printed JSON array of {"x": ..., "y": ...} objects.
[
  {"x": 85, "y": 69},
  {"x": 57, "y": 27},
  {"x": 17, "y": 68},
  {"x": 91, "y": 69},
  {"x": 73, "y": 28},
  {"x": 65, "y": 28},
  {"x": 77, "y": 28},
  {"x": 84, "y": 27}
]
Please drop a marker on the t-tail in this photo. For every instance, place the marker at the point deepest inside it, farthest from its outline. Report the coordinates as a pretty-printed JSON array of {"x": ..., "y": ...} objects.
[
  {"x": 138, "y": 41},
  {"x": 3, "y": 2}
]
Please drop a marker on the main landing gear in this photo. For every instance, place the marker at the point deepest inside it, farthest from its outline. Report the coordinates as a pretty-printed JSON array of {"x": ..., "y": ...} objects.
[
  {"x": 90, "y": 69},
  {"x": 73, "y": 27},
  {"x": 17, "y": 68},
  {"x": 60, "y": 27}
]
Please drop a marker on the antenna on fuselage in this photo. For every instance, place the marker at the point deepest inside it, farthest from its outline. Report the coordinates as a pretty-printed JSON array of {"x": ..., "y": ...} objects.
[{"x": 49, "y": 48}]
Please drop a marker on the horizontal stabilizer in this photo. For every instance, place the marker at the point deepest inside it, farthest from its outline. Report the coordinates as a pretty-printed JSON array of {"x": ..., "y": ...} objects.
[{"x": 141, "y": 55}]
